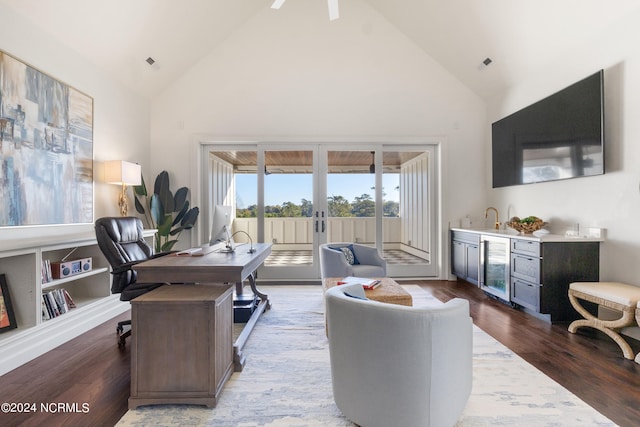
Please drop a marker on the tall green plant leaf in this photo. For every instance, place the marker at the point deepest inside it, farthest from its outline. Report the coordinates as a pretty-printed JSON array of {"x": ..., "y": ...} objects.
[
  {"x": 164, "y": 227},
  {"x": 168, "y": 245},
  {"x": 190, "y": 218},
  {"x": 162, "y": 189},
  {"x": 140, "y": 190},
  {"x": 157, "y": 210},
  {"x": 188, "y": 221},
  {"x": 176, "y": 230},
  {"x": 180, "y": 215},
  {"x": 139, "y": 207},
  {"x": 180, "y": 199}
]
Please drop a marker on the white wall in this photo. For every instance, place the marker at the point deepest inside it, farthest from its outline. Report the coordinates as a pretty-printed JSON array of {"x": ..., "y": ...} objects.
[
  {"x": 293, "y": 75},
  {"x": 121, "y": 119},
  {"x": 611, "y": 201}
]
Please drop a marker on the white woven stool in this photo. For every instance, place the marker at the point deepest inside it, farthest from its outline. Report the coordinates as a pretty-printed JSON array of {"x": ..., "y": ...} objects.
[{"x": 616, "y": 296}]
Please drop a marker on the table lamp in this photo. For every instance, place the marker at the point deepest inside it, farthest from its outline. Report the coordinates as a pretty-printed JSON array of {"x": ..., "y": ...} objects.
[{"x": 122, "y": 173}]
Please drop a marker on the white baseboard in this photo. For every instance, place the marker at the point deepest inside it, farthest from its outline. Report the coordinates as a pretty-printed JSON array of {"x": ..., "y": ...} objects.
[{"x": 25, "y": 346}]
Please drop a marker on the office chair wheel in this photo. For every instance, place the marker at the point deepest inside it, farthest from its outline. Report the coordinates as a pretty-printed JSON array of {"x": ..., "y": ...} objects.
[
  {"x": 122, "y": 333},
  {"x": 122, "y": 339}
]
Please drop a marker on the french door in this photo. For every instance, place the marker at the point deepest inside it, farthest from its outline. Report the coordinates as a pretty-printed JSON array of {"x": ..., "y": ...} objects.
[
  {"x": 384, "y": 196},
  {"x": 300, "y": 196},
  {"x": 292, "y": 219}
]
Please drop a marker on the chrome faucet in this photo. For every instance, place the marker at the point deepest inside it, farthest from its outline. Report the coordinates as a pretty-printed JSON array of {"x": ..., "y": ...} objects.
[{"x": 486, "y": 215}]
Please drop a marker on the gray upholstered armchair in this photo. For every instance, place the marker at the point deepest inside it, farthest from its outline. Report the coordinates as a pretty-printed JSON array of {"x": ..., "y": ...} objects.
[
  {"x": 393, "y": 365},
  {"x": 335, "y": 261}
]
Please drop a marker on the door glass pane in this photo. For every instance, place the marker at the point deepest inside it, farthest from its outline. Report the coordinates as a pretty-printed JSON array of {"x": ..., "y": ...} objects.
[
  {"x": 405, "y": 225},
  {"x": 351, "y": 197},
  {"x": 246, "y": 220},
  {"x": 288, "y": 207},
  {"x": 235, "y": 183},
  {"x": 496, "y": 267}
]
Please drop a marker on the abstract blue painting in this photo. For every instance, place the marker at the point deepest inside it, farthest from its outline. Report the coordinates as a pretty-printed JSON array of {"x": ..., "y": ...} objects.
[{"x": 46, "y": 148}]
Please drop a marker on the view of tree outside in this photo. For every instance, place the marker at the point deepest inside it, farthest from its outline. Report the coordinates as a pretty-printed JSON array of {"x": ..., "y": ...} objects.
[
  {"x": 362, "y": 206},
  {"x": 338, "y": 206}
]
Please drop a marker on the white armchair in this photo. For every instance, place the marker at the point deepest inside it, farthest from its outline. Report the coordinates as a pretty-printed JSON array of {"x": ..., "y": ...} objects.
[
  {"x": 333, "y": 262},
  {"x": 393, "y": 365}
]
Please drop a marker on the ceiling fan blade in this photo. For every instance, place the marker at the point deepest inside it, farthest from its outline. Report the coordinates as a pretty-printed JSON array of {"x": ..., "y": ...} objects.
[
  {"x": 277, "y": 4},
  {"x": 334, "y": 13}
]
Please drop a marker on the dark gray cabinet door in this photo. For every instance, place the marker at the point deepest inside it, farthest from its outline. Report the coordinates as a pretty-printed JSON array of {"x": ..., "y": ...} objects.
[
  {"x": 465, "y": 256},
  {"x": 473, "y": 263}
]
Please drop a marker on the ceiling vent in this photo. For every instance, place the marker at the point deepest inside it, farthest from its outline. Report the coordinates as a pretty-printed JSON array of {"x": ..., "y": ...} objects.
[{"x": 484, "y": 64}]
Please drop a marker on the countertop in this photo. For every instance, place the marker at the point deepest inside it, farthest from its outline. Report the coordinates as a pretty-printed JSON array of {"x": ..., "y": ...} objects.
[{"x": 510, "y": 233}]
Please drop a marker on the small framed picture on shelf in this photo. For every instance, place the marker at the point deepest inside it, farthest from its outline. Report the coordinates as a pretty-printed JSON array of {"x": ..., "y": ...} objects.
[{"x": 7, "y": 316}]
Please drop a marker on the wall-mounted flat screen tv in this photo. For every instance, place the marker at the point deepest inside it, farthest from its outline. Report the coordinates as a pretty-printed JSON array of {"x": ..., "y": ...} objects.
[{"x": 559, "y": 137}]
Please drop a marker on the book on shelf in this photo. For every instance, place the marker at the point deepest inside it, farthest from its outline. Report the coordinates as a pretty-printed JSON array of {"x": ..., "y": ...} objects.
[
  {"x": 60, "y": 301},
  {"x": 55, "y": 303},
  {"x": 45, "y": 311},
  {"x": 51, "y": 305},
  {"x": 364, "y": 281},
  {"x": 46, "y": 271},
  {"x": 68, "y": 299}
]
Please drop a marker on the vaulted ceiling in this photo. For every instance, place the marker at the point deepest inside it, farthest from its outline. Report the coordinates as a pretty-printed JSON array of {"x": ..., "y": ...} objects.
[{"x": 518, "y": 35}]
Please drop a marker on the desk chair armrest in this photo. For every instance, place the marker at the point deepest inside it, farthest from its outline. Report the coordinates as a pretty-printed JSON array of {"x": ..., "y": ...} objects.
[
  {"x": 161, "y": 254},
  {"x": 129, "y": 265},
  {"x": 125, "y": 267}
]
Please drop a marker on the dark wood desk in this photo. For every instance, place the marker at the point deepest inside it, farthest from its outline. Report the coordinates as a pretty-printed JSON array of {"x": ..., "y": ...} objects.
[{"x": 212, "y": 266}]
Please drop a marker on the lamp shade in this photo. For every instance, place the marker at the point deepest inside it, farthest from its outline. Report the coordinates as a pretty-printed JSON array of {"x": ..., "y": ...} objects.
[{"x": 121, "y": 172}]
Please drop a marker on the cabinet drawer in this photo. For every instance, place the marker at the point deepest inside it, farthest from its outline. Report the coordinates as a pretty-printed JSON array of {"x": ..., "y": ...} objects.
[
  {"x": 527, "y": 247},
  {"x": 461, "y": 236},
  {"x": 526, "y": 294},
  {"x": 525, "y": 267}
]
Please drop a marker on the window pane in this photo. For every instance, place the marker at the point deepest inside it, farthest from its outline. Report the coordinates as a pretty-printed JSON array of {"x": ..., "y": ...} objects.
[
  {"x": 406, "y": 219},
  {"x": 288, "y": 210},
  {"x": 351, "y": 197}
]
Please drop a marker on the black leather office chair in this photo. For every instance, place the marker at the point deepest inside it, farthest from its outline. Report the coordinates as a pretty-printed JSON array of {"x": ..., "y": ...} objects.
[{"x": 121, "y": 241}]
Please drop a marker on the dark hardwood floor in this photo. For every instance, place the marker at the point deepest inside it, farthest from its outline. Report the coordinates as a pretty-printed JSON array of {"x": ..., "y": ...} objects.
[
  {"x": 588, "y": 363},
  {"x": 89, "y": 376},
  {"x": 89, "y": 369}
]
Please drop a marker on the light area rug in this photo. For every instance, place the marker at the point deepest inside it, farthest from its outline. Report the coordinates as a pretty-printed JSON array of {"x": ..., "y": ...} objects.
[{"x": 287, "y": 379}]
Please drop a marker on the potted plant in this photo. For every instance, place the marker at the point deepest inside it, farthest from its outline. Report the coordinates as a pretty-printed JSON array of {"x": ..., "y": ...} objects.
[{"x": 168, "y": 213}]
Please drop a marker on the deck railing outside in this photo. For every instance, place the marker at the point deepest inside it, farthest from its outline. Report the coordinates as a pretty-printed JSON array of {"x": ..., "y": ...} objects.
[{"x": 297, "y": 232}]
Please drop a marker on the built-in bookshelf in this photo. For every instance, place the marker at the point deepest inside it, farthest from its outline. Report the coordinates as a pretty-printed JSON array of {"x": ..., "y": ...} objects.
[
  {"x": 56, "y": 302},
  {"x": 26, "y": 264}
]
